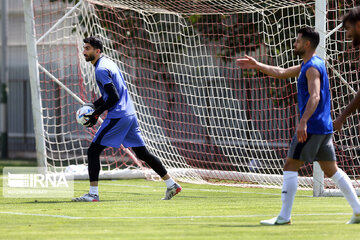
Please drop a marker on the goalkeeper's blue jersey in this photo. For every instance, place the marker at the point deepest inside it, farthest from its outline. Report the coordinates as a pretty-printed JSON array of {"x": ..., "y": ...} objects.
[
  {"x": 106, "y": 71},
  {"x": 320, "y": 121}
]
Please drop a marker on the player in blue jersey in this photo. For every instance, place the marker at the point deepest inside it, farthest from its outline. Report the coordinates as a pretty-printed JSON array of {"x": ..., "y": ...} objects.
[
  {"x": 313, "y": 137},
  {"x": 120, "y": 125}
]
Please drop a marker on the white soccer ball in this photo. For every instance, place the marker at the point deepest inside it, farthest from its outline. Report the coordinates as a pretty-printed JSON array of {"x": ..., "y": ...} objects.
[{"x": 80, "y": 114}]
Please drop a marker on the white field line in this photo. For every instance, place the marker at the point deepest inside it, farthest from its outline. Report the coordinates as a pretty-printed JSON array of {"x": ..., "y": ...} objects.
[{"x": 169, "y": 217}]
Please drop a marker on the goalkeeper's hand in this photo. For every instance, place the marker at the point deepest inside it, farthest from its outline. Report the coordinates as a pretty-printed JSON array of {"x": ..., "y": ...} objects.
[{"x": 93, "y": 118}]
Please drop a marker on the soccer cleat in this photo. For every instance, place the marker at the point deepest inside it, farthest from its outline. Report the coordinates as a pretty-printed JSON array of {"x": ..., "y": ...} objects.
[
  {"x": 354, "y": 219},
  {"x": 172, "y": 191},
  {"x": 87, "y": 198},
  {"x": 275, "y": 221}
]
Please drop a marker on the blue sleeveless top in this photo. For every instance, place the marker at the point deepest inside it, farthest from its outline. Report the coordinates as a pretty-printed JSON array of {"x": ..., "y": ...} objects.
[{"x": 320, "y": 122}]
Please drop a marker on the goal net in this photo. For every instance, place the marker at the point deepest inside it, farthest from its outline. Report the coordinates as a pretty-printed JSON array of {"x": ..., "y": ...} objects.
[{"x": 207, "y": 120}]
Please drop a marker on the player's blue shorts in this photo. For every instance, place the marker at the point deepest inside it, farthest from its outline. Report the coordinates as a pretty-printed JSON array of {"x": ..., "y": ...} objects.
[{"x": 117, "y": 131}]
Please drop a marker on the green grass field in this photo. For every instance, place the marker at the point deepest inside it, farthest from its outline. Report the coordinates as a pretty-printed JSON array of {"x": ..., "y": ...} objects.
[{"x": 132, "y": 209}]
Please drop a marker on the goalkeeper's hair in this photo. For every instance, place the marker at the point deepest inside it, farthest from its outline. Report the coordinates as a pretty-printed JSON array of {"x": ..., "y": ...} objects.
[
  {"x": 311, "y": 35},
  {"x": 352, "y": 16},
  {"x": 94, "y": 42}
]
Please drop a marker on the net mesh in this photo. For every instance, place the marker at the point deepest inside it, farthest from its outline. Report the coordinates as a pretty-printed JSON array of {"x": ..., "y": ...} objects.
[
  {"x": 343, "y": 68},
  {"x": 206, "y": 119}
]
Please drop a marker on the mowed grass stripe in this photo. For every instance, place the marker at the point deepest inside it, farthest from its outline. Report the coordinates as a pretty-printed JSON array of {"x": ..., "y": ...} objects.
[
  {"x": 133, "y": 210},
  {"x": 168, "y": 217}
]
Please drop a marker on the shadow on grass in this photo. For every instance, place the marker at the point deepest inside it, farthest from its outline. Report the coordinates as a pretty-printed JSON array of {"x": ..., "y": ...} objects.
[
  {"x": 59, "y": 201},
  {"x": 241, "y": 226}
]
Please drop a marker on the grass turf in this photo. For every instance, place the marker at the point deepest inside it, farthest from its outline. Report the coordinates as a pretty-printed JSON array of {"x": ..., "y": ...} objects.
[{"x": 132, "y": 209}]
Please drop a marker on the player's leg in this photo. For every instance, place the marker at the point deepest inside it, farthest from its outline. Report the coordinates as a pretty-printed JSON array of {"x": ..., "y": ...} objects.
[
  {"x": 327, "y": 160},
  {"x": 102, "y": 138},
  {"x": 288, "y": 192},
  {"x": 289, "y": 188},
  {"x": 143, "y": 154},
  {"x": 297, "y": 154},
  {"x": 93, "y": 154},
  {"x": 133, "y": 139},
  {"x": 343, "y": 182}
]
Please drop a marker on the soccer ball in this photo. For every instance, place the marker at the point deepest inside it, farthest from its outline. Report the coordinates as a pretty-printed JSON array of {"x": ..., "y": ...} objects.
[{"x": 80, "y": 114}]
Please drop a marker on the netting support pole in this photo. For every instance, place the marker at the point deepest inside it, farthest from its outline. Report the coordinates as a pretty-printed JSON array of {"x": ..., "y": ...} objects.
[
  {"x": 34, "y": 83},
  {"x": 320, "y": 27},
  {"x": 4, "y": 82}
]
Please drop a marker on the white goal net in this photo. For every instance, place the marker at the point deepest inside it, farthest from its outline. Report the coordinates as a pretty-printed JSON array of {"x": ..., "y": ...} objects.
[{"x": 207, "y": 120}]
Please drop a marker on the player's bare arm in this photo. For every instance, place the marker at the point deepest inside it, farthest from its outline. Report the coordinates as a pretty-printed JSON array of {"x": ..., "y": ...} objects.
[
  {"x": 351, "y": 23},
  {"x": 274, "y": 71},
  {"x": 313, "y": 81},
  {"x": 353, "y": 105}
]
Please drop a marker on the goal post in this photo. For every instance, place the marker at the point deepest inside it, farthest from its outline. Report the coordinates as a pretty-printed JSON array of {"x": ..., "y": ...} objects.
[
  {"x": 320, "y": 27},
  {"x": 207, "y": 120},
  {"x": 34, "y": 84}
]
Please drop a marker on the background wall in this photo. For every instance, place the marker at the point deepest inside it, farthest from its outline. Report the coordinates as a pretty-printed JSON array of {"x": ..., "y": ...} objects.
[{"x": 21, "y": 137}]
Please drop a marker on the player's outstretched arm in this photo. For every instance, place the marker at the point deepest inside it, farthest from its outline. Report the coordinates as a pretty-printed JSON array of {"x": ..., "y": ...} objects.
[
  {"x": 274, "y": 71},
  {"x": 353, "y": 105}
]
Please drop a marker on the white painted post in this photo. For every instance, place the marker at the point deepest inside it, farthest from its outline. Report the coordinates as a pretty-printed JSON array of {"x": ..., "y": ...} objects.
[
  {"x": 320, "y": 26},
  {"x": 34, "y": 83}
]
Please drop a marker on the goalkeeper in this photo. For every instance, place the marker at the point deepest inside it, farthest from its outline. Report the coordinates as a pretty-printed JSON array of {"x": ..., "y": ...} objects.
[{"x": 120, "y": 125}]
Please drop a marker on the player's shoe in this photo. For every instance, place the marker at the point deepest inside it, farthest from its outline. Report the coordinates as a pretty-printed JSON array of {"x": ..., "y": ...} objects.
[
  {"x": 87, "y": 198},
  {"x": 354, "y": 219},
  {"x": 275, "y": 221},
  {"x": 172, "y": 191}
]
